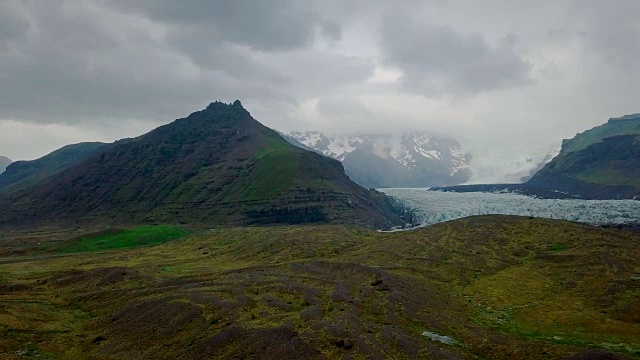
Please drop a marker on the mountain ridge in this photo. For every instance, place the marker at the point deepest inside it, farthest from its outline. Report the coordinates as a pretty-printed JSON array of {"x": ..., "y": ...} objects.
[
  {"x": 599, "y": 163},
  {"x": 413, "y": 159},
  {"x": 22, "y": 174},
  {"x": 218, "y": 165}
]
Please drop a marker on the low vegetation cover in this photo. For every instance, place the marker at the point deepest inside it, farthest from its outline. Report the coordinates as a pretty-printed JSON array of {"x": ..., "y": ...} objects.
[
  {"x": 124, "y": 239},
  {"x": 488, "y": 287}
]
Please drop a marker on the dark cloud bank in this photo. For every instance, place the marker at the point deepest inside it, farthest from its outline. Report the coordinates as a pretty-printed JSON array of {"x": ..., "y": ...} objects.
[{"x": 87, "y": 70}]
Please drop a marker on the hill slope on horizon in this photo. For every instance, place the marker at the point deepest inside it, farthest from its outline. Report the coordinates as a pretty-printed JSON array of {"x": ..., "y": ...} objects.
[
  {"x": 4, "y": 162},
  {"x": 217, "y": 166},
  {"x": 22, "y": 174},
  {"x": 609, "y": 169},
  {"x": 600, "y": 163}
]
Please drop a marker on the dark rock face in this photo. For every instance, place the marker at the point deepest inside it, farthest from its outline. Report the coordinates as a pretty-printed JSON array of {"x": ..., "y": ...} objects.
[{"x": 217, "y": 166}]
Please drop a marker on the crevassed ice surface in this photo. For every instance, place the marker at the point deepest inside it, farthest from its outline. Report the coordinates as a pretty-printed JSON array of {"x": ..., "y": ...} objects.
[{"x": 433, "y": 207}]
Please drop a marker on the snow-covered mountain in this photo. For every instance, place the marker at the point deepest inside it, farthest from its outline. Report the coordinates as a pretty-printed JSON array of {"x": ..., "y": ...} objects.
[{"x": 416, "y": 159}]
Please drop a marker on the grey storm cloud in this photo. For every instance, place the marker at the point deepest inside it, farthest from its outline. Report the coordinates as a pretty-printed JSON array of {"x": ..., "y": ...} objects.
[
  {"x": 497, "y": 66},
  {"x": 437, "y": 60},
  {"x": 263, "y": 25},
  {"x": 75, "y": 62},
  {"x": 13, "y": 26}
]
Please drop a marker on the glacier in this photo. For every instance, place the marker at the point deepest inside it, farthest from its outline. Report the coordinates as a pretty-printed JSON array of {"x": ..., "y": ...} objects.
[{"x": 432, "y": 207}]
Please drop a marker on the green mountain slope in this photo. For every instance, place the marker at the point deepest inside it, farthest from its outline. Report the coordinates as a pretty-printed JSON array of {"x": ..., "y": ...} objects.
[
  {"x": 217, "y": 166},
  {"x": 601, "y": 163},
  {"x": 626, "y": 125},
  {"x": 22, "y": 174}
]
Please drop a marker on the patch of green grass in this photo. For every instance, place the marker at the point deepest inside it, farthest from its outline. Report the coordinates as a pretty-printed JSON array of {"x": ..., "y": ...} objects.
[
  {"x": 126, "y": 239},
  {"x": 557, "y": 247}
]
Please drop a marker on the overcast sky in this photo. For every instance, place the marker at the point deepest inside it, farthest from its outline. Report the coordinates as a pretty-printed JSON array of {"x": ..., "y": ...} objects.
[{"x": 496, "y": 72}]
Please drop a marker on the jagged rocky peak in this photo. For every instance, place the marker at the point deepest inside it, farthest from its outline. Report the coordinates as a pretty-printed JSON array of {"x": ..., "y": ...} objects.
[
  {"x": 219, "y": 105},
  {"x": 402, "y": 147},
  {"x": 416, "y": 159}
]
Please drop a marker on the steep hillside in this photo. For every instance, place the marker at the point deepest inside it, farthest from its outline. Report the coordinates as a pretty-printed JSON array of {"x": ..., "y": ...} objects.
[
  {"x": 408, "y": 160},
  {"x": 601, "y": 163},
  {"x": 626, "y": 125},
  {"x": 22, "y": 174},
  {"x": 4, "y": 162},
  {"x": 609, "y": 169},
  {"x": 217, "y": 166}
]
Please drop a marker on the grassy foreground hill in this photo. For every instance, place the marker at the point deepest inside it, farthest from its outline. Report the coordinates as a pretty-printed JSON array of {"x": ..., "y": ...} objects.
[
  {"x": 491, "y": 287},
  {"x": 217, "y": 166}
]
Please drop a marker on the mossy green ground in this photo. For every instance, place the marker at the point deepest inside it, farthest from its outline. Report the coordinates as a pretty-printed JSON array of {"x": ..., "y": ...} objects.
[
  {"x": 503, "y": 287},
  {"x": 124, "y": 239}
]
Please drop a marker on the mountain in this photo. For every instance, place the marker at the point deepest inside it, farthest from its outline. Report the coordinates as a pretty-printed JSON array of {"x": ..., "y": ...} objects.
[
  {"x": 22, "y": 174},
  {"x": 217, "y": 166},
  {"x": 407, "y": 160},
  {"x": 4, "y": 162},
  {"x": 609, "y": 169},
  {"x": 626, "y": 125},
  {"x": 601, "y": 163}
]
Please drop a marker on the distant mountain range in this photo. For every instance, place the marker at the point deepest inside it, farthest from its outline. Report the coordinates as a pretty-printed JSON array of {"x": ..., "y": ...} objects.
[
  {"x": 4, "y": 162},
  {"x": 601, "y": 163},
  {"x": 22, "y": 174},
  {"x": 216, "y": 166},
  {"x": 416, "y": 159}
]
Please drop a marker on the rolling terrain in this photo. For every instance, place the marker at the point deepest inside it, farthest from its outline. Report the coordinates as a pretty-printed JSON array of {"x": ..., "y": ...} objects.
[
  {"x": 217, "y": 166},
  {"x": 490, "y": 287}
]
